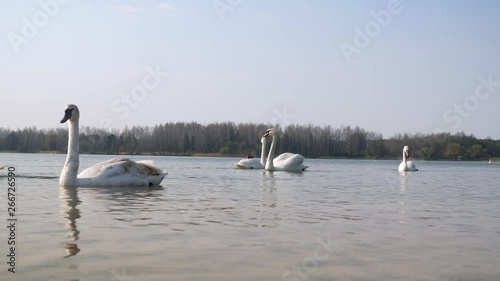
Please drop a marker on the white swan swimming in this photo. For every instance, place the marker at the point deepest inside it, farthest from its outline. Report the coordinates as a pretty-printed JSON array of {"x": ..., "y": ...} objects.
[
  {"x": 406, "y": 165},
  {"x": 114, "y": 172},
  {"x": 252, "y": 163},
  {"x": 286, "y": 161}
]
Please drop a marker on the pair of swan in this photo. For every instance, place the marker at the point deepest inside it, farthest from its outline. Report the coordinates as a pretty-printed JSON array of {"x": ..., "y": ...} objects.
[
  {"x": 406, "y": 166},
  {"x": 284, "y": 162},
  {"x": 114, "y": 172}
]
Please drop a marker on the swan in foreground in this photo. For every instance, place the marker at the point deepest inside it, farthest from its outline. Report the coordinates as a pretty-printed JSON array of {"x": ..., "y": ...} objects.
[
  {"x": 286, "y": 161},
  {"x": 114, "y": 172},
  {"x": 252, "y": 163},
  {"x": 406, "y": 165}
]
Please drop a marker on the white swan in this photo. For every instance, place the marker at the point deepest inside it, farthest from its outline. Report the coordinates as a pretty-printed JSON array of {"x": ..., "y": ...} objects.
[
  {"x": 252, "y": 163},
  {"x": 286, "y": 161},
  {"x": 114, "y": 172},
  {"x": 406, "y": 165}
]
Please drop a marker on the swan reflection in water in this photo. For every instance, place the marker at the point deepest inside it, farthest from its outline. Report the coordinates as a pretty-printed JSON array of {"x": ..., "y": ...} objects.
[
  {"x": 268, "y": 216},
  {"x": 69, "y": 203},
  {"x": 403, "y": 193}
]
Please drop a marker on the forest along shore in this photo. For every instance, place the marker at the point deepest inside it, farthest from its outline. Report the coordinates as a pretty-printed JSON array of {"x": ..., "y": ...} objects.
[
  {"x": 238, "y": 156},
  {"x": 228, "y": 139}
]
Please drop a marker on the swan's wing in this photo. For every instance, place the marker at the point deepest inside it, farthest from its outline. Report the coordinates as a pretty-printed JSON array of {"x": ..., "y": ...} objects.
[
  {"x": 150, "y": 166},
  {"x": 411, "y": 166},
  {"x": 123, "y": 171},
  {"x": 249, "y": 164},
  {"x": 108, "y": 168},
  {"x": 293, "y": 162},
  {"x": 284, "y": 156},
  {"x": 287, "y": 155}
]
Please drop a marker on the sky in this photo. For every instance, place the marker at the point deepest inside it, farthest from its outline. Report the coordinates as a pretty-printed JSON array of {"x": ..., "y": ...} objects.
[{"x": 387, "y": 66}]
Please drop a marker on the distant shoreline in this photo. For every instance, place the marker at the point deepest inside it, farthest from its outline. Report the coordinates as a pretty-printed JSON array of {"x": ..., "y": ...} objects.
[{"x": 235, "y": 156}]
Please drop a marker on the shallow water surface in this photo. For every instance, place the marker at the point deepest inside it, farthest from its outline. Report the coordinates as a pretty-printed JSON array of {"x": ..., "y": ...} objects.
[{"x": 340, "y": 220}]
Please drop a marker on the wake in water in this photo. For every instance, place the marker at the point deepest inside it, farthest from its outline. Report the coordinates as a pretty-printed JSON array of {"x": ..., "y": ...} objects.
[{"x": 32, "y": 176}]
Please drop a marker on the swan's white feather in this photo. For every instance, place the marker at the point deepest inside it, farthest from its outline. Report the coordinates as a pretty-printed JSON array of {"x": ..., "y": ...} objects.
[
  {"x": 287, "y": 155},
  {"x": 402, "y": 167},
  {"x": 121, "y": 172},
  {"x": 290, "y": 162},
  {"x": 411, "y": 166},
  {"x": 284, "y": 156},
  {"x": 249, "y": 164},
  {"x": 408, "y": 167}
]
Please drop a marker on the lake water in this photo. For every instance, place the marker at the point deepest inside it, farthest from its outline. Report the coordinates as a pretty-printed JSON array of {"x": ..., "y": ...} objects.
[{"x": 341, "y": 220}]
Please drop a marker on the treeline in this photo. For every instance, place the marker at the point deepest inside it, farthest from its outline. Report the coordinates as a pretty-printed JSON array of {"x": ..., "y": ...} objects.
[{"x": 228, "y": 138}]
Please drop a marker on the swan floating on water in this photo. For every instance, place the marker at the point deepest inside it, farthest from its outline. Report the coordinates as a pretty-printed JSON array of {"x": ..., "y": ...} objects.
[
  {"x": 114, "y": 172},
  {"x": 252, "y": 163},
  {"x": 406, "y": 165},
  {"x": 284, "y": 162}
]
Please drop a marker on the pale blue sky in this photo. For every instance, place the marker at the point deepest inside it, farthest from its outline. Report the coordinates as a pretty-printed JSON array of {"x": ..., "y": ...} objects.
[{"x": 259, "y": 58}]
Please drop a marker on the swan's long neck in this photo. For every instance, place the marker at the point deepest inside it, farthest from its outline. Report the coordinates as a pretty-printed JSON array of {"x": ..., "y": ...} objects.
[
  {"x": 263, "y": 151},
  {"x": 70, "y": 170},
  {"x": 270, "y": 157},
  {"x": 404, "y": 156}
]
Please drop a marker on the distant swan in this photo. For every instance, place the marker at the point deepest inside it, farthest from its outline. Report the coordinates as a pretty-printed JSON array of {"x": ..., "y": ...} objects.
[
  {"x": 286, "y": 161},
  {"x": 406, "y": 165},
  {"x": 114, "y": 172},
  {"x": 252, "y": 163}
]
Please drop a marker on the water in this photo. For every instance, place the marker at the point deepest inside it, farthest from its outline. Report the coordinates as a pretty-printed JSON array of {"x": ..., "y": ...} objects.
[{"x": 341, "y": 220}]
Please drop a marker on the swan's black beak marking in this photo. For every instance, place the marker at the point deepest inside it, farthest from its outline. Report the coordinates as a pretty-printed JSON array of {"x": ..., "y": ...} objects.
[
  {"x": 266, "y": 134},
  {"x": 67, "y": 114}
]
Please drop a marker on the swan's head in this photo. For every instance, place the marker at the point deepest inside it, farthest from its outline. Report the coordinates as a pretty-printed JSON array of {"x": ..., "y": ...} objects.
[
  {"x": 269, "y": 132},
  {"x": 71, "y": 113},
  {"x": 406, "y": 151}
]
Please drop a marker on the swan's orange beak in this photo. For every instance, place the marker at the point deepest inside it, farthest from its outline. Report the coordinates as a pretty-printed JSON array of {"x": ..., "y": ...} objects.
[{"x": 266, "y": 134}]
